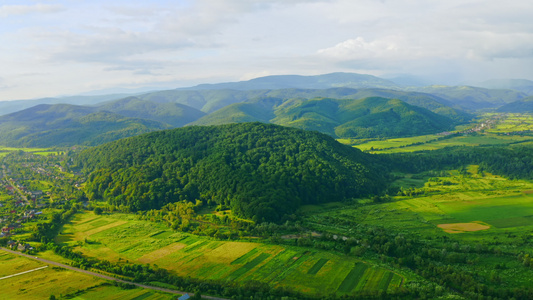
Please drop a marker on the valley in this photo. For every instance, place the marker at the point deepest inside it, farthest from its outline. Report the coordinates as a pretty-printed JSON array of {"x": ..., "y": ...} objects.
[{"x": 271, "y": 194}]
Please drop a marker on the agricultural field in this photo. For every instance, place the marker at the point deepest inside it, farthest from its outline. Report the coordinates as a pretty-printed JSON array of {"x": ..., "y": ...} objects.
[
  {"x": 491, "y": 130},
  {"x": 38, "y": 151},
  {"x": 469, "y": 210},
  {"x": 496, "y": 203},
  {"x": 513, "y": 123},
  {"x": 408, "y": 144},
  {"x": 120, "y": 237},
  {"x": 45, "y": 280}
]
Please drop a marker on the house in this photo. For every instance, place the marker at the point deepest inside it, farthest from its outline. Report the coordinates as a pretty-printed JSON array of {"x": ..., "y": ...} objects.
[
  {"x": 37, "y": 193},
  {"x": 184, "y": 297},
  {"x": 24, "y": 247}
]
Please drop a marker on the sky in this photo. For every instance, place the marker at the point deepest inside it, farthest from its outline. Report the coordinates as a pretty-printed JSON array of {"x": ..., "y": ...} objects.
[{"x": 67, "y": 47}]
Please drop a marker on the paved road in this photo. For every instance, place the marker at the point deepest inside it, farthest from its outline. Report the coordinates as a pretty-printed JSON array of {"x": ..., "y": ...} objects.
[{"x": 104, "y": 276}]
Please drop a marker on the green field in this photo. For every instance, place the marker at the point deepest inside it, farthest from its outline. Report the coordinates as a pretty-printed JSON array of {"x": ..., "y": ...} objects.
[
  {"x": 499, "y": 202},
  {"x": 491, "y": 212},
  {"x": 390, "y": 146},
  {"x": 120, "y": 237},
  {"x": 42, "y": 283},
  {"x": 505, "y": 131},
  {"x": 514, "y": 123}
]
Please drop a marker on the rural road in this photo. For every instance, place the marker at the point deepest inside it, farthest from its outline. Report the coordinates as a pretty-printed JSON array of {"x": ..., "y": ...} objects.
[{"x": 104, "y": 276}]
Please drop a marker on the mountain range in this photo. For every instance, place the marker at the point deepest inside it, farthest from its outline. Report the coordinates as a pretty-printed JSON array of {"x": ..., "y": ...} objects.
[{"x": 338, "y": 104}]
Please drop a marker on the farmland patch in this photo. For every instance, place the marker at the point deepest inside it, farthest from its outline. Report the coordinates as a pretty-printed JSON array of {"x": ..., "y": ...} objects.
[{"x": 463, "y": 227}]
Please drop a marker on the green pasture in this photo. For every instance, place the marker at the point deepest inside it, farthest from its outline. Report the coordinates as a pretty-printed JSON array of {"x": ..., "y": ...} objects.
[
  {"x": 42, "y": 283},
  {"x": 394, "y": 143},
  {"x": 121, "y": 237},
  {"x": 39, "y": 151},
  {"x": 117, "y": 293},
  {"x": 514, "y": 123},
  {"x": 501, "y": 203},
  {"x": 465, "y": 140}
]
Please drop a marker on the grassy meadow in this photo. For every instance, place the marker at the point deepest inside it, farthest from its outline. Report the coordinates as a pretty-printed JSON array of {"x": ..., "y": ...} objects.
[
  {"x": 476, "y": 208},
  {"x": 42, "y": 283},
  {"x": 505, "y": 130},
  {"x": 120, "y": 237}
]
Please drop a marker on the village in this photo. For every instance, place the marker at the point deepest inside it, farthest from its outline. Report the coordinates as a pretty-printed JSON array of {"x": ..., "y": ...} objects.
[{"x": 30, "y": 186}]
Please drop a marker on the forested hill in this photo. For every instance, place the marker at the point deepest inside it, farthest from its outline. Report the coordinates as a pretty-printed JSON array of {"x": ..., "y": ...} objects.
[
  {"x": 261, "y": 171},
  {"x": 66, "y": 125},
  {"x": 345, "y": 118}
]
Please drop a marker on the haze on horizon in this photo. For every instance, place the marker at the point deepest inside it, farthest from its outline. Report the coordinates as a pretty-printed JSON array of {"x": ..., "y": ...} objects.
[{"x": 60, "y": 47}]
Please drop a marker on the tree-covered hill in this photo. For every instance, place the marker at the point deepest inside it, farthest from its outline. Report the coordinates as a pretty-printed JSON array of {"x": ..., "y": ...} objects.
[
  {"x": 210, "y": 101},
  {"x": 260, "y": 171},
  {"x": 363, "y": 118},
  {"x": 473, "y": 98},
  {"x": 324, "y": 81},
  {"x": 521, "y": 106},
  {"x": 66, "y": 125},
  {"x": 174, "y": 114}
]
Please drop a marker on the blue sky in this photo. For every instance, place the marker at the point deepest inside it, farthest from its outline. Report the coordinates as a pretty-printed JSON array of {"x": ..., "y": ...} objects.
[{"x": 51, "y": 48}]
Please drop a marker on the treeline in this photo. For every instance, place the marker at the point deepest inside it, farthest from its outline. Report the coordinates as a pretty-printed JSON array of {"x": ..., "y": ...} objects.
[
  {"x": 439, "y": 260},
  {"x": 46, "y": 231},
  {"x": 512, "y": 162},
  {"x": 260, "y": 171}
]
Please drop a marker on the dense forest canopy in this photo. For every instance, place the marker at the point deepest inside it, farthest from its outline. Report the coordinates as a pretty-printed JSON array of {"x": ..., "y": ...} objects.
[{"x": 260, "y": 171}]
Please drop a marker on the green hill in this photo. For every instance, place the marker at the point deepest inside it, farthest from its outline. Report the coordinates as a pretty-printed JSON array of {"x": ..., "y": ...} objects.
[
  {"x": 324, "y": 81},
  {"x": 260, "y": 171},
  {"x": 174, "y": 114},
  {"x": 473, "y": 98},
  {"x": 521, "y": 85},
  {"x": 66, "y": 125},
  {"x": 209, "y": 101},
  {"x": 521, "y": 106},
  {"x": 364, "y": 118}
]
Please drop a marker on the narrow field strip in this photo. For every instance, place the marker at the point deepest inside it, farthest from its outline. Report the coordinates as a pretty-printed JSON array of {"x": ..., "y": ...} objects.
[{"x": 22, "y": 273}]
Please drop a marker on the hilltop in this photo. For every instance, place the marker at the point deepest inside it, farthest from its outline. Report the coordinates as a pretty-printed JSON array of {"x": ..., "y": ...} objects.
[{"x": 260, "y": 171}]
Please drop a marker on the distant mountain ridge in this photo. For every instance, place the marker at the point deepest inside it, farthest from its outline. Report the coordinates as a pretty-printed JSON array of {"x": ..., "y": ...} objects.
[
  {"x": 521, "y": 85},
  {"x": 521, "y": 106},
  {"x": 357, "y": 118},
  {"x": 325, "y": 81},
  {"x": 66, "y": 125},
  {"x": 289, "y": 100}
]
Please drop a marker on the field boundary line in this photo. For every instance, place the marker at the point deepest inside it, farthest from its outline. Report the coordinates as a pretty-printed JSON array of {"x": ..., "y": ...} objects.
[
  {"x": 22, "y": 273},
  {"x": 50, "y": 262}
]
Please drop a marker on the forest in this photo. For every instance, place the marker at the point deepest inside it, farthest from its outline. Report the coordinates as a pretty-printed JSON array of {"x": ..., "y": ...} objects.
[{"x": 261, "y": 172}]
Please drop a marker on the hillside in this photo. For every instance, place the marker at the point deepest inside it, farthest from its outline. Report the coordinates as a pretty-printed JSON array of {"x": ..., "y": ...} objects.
[
  {"x": 325, "y": 81},
  {"x": 364, "y": 118},
  {"x": 209, "y": 101},
  {"x": 260, "y": 171},
  {"x": 66, "y": 125},
  {"x": 521, "y": 85},
  {"x": 174, "y": 114},
  {"x": 521, "y": 106},
  {"x": 473, "y": 98},
  {"x": 7, "y": 107}
]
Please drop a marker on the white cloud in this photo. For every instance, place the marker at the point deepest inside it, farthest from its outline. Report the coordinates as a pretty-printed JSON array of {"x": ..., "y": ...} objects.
[
  {"x": 11, "y": 10},
  {"x": 146, "y": 42}
]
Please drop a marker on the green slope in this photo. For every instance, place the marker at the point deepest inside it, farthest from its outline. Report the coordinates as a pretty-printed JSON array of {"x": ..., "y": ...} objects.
[
  {"x": 260, "y": 171},
  {"x": 174, "y": 114},
  {"x": 521, "y": 106},
  {"x": 364, "y": 118},
  {"x": 473, "y": 98},
  {"x": 67, "y": 125}
]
